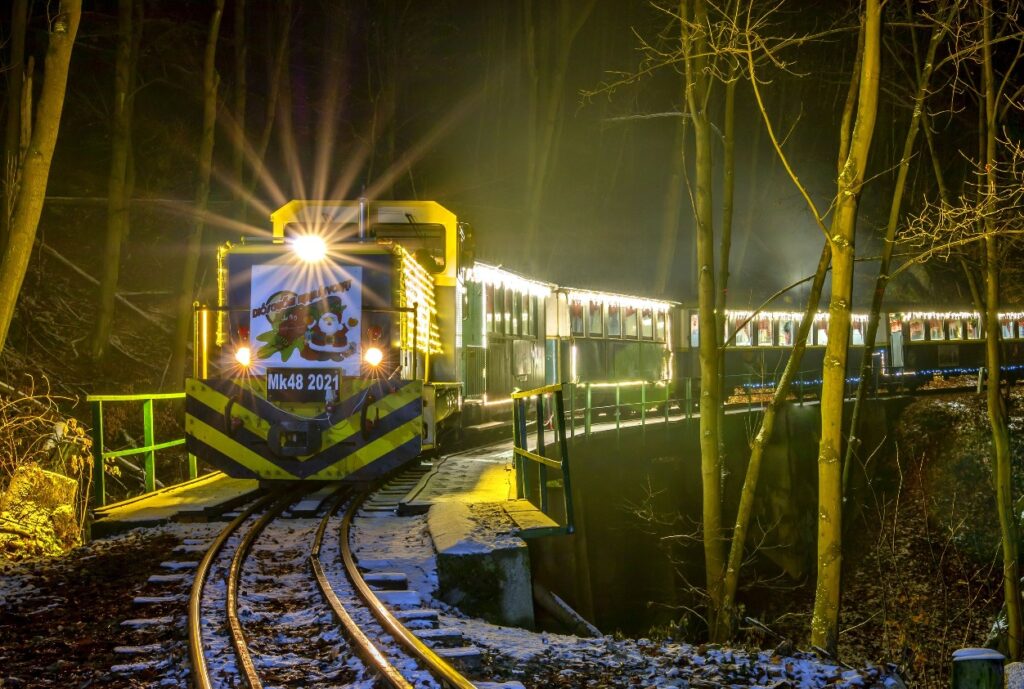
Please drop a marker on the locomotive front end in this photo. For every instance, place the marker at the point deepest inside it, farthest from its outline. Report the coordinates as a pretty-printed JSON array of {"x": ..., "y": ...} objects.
[{"x": 323, "y": 337}]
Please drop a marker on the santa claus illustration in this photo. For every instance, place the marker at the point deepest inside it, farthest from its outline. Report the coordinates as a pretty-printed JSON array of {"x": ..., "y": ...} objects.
[{"x": 327, "y": 338}]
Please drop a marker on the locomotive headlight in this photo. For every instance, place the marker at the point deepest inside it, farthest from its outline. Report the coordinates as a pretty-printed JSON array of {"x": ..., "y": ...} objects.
[
  {"x": 243, "y": 355},
  {"x": 373, "y": 356},
  {"x": 310, "y": 248}
]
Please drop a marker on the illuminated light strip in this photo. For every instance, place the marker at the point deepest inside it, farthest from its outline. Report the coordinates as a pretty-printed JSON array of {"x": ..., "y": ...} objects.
[
  {"x": 497, "y": 277},
  {"x": 417, "y": 288},
  {"x": 222, "y": 292},
  {"x": 611, "y": 299},
  {"x": 969, "y": 371},
  {"x": 629, "y": 384}
]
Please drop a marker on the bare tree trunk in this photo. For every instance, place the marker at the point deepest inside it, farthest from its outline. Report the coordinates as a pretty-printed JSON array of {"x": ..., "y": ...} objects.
[
  {"x": 28, "y": 205},
  {"x": 724, "y": 254},
  {"x": 183, "y": 325},
  {"x": 694, "y": 50},
  {"x": 12, "y": 131},
  {"x": 882, "y": 281},
  {"x": 117, "y": 198},
  {"x": 825, "y": 621},
  {"x": 996, "y": 410}
]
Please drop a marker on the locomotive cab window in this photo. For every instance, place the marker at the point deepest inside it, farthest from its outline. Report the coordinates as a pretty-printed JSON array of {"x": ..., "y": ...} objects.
[
  {"x": 425, "y": 241},
  {"x": 659, "y": 327},
  {"x": 694, "y": 330},
  {"x": 518, "y": 322},
  {"x": 489, "y": 315}
]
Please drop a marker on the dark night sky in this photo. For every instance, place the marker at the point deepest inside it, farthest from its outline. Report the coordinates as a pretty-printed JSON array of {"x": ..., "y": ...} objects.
[{"x": 602, "y": 210}]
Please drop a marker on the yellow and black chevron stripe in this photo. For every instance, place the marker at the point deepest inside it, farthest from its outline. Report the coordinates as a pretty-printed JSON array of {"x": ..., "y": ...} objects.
[{"x": 227, "y": 424}]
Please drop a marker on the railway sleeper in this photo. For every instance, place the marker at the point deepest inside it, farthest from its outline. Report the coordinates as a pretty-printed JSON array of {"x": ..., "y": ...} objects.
[{"x": 391, "y": 581}]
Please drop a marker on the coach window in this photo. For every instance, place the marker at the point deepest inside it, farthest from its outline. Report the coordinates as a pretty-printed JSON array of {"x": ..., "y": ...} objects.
[
  {"x": 595, "y": 320},
  {"x": 1006, "y": 328},
  {"x": 629, "y": 326},
  {"x": 614, "y": 320},
  {"x": 787, "y": 332},
  {"x": 973, "y": 329},
  {"x": 647, "y": 324},
  {"x": 916, "y": 330},
  {"x": 742, "y": 331},
  {"x": 956, "y": 329},
  {"x": 510, "y": 313},
  {"x": 935, "y": 329},
  {"x": 659, "y": 327},
  {"x": 1020, "y": 328},
  {"x": 857, "y": 326},
  {"x": 489, "y": 298},
  {"x": 694, "y": 330},
  {"x": 764, "y": 332},
  {"x": 576, "y": 318},
  {"x": 517, "y": 310},
  {"x": 821, "y": 330}
]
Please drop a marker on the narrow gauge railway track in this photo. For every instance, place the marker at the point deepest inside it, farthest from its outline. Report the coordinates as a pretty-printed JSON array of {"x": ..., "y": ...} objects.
[{"x": 250, "y": 627}]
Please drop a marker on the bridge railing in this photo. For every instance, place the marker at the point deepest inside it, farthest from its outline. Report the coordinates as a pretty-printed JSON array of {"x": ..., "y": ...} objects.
[
  {"x": 149, "y": 448},
  {"x": 533, "y": 484}
]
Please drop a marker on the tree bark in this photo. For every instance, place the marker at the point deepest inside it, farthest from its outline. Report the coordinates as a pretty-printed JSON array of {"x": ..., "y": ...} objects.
[
  {"x": 889, "y": 242},
  {"x": 825, "y": 620},
  {"x": 996, "y": 410},
  {"x": 12, "y": 128},
  {"x": 28, "y": 204},
  {"x": 179, "y": 345},
  {"x": 694, "y": 47},
  {"x": 117, "y": 181}
]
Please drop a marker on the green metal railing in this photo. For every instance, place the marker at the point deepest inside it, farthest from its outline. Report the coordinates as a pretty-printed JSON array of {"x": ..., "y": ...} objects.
[
  {"x": 652, "y": 394},
  {"x": 530, "y": 485},
  {"x": 149, "y": 449}
]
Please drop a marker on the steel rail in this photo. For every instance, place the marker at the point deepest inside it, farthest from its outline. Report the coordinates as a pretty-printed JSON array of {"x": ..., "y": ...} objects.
[
  {"x": 439, "y": 667},
  {"x": 238, "y": 640},
  {"x": 362, "y": 645},
  {"x": 200, "y": 673}
]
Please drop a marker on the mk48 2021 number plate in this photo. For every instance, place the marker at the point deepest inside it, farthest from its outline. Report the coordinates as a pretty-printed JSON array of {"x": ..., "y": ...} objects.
[{"x": 302, "y": 385}]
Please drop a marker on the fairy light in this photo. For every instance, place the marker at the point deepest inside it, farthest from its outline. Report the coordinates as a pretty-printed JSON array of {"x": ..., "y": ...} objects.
[
  {"x": 417, "y": 288},
  {"x": 612, "y": 299},
  {"x": 498, "y": 277}
]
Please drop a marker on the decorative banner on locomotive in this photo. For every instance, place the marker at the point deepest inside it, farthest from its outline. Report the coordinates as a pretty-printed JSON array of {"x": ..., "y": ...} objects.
[{"x": 307, "y": 319}]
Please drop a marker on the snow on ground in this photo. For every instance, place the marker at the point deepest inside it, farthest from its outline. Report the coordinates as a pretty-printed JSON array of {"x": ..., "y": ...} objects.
[{"x": 546, "y": 659}]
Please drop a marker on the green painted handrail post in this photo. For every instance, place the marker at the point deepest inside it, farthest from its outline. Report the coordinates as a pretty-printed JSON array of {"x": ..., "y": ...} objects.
[
  {"x": 572, "y": 411},
  {"x": 99, "y": 479},
  {"x": 542, "y": 470},
  {"x": 643, "y": 403},
  {"x": 148, "y": 439},
  {"x": 563, "y": 448},
  {"x": 689, "y": 397},
  {"x": 520, "y": 462},
  {"x": 618, "y": 409},
  {"x": 193, "y": 466},
  {"x": 586, "y": 416},
  {"x": 668, "y": 386}
]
